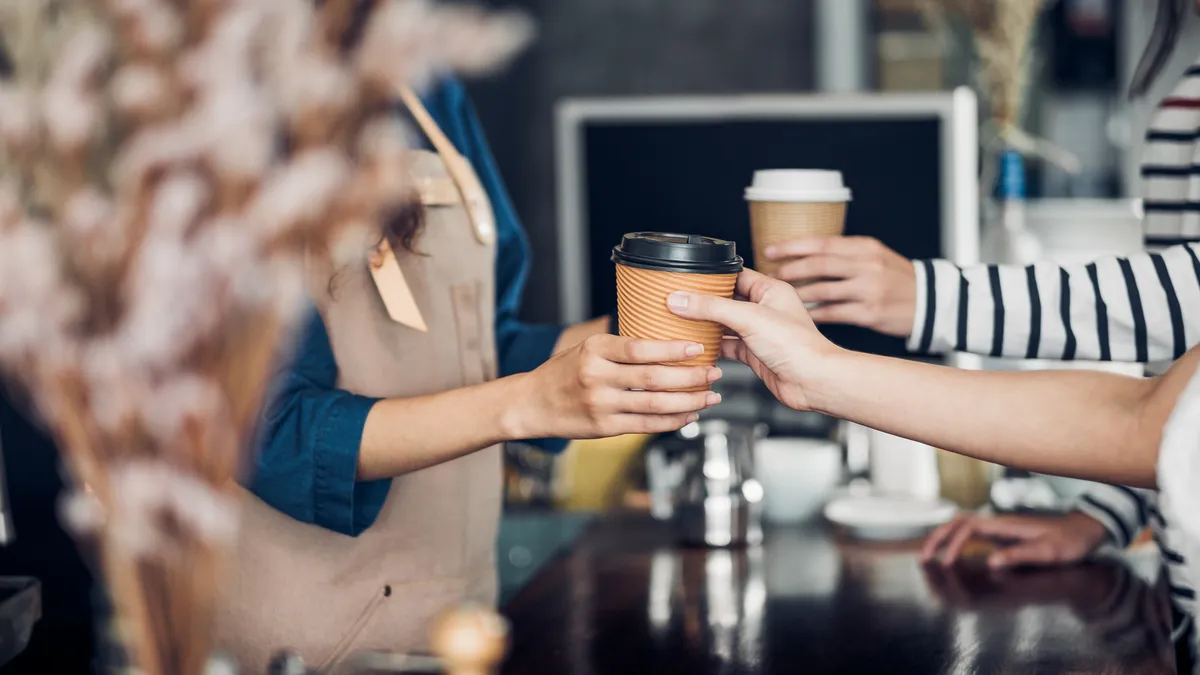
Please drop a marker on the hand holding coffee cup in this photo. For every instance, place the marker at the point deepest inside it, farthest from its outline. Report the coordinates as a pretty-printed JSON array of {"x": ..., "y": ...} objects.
[
  {"x": 652, "y": 265},
  {"x": 790, "y": 204}
]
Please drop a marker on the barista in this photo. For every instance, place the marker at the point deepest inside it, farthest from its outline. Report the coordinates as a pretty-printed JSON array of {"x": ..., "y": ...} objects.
[{"x": 377, "y": 492}]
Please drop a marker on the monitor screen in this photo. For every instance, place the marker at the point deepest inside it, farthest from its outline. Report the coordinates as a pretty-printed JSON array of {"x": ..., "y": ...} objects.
[{"x": 689, "y": 175}]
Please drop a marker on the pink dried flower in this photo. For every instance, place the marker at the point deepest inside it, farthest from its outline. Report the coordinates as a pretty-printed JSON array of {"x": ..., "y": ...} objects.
[
  {"x": 70, "y": 108},
  {"x": 152, "y": 149},
  {"x": 177, "y": 203},
  {"x": 140, "y": 90},
  {"x": 314, "y": 85},
  {"x": 116, "y": 392},
  {"x": 300, "y": 192},
  {"x": 36, "y": 304},
  {"x": 384, "y": 146},
  {"x": 82, "y": 513},
  {"x": 91, "y": 222},
  {"x": 474, "y": 42},
  {"x": 156, "y": 29},
  {"x": 408, "y": 40},
  {"x": 237, "y": 127},
  {"x": 150, "y": 496},
  {"x": 18, "y": 119},
  {"x": 72, "y": 118},
  {"x": 10, "y": 207},
  {"x": 185, "y": 398}
]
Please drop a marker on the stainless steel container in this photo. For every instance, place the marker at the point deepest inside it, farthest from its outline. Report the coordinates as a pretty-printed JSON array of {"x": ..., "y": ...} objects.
[{"x": 703, "y": 480}]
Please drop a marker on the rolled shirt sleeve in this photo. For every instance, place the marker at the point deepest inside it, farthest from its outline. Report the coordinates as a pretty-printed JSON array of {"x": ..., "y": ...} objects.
[{"x": 311, "y": 432}]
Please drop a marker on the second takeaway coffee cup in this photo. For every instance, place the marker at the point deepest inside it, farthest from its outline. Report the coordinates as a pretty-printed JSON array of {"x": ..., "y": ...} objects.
[
  {"x": 652, "y": 265},
  {"x": 788, "y": 204}
]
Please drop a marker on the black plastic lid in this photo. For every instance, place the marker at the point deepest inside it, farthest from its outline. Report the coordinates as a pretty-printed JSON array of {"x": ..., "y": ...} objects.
[{"x": 669, "y": 252}]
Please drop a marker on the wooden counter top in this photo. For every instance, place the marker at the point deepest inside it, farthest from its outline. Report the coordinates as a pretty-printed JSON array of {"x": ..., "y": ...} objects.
[{"x": 624, "y": 599}]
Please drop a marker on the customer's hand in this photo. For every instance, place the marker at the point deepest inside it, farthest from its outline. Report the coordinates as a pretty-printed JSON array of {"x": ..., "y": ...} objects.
[
  {"x": 861, "y": 281},
  {"x": 609, "y": 385},
  {"x": 1024, "y": 540},
  {"x": 774, "y": 335}
]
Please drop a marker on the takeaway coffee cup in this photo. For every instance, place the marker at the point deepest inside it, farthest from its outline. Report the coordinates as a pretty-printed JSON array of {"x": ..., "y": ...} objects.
[
  {"x": 787, "y": 204},
  {"x": 652, "y": 265}
]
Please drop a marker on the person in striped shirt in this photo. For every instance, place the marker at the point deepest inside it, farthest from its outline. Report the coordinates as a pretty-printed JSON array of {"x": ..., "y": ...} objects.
[
  {"x": 1143, "y": 308},
  {"x": 1083, "y": 424}
]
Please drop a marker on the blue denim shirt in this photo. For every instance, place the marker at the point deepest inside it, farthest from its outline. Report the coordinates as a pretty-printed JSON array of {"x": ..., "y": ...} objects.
[{"x": 311, "y": 431}]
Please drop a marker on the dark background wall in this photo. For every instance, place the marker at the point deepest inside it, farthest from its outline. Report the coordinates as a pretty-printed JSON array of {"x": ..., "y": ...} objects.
[{"x": 626, "y": 47}]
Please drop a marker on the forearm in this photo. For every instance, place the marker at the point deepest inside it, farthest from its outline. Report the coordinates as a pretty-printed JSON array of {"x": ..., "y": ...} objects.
[
  {"x": 1084, "y": 424},
  {"x": 409, "y": 434}
]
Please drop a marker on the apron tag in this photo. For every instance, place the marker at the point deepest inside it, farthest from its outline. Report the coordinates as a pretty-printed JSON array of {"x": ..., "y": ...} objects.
[{"x": 393, "y": 288}]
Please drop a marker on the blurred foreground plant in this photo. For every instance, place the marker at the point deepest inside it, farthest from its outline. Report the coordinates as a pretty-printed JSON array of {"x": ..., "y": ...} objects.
[{"x": 168, "y": 164}]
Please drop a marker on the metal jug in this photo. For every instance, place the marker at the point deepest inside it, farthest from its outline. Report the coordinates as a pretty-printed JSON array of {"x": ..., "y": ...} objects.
[{"x": 702, "y": 479}]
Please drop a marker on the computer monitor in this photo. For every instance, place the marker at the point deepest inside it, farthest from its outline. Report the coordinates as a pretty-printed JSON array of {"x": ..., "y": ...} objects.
[{"x": 681, "y": 165}]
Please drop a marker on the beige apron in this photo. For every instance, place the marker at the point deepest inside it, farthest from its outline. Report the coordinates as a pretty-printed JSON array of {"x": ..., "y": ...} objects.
[{"x": 328, "y": 596}]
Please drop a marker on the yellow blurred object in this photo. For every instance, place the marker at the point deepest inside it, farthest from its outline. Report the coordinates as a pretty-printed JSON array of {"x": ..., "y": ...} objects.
[
  {"x": 964, "y": 480},
  {"x": 594, "y": 475}
]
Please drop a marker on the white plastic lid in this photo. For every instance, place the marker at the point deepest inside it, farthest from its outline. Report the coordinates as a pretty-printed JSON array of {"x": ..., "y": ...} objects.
[{"x": 797, "y": 185}]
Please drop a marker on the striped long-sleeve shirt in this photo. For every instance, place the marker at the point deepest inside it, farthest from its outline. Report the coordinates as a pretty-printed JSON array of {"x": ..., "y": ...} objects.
[{"x": 1141, "y": 308}]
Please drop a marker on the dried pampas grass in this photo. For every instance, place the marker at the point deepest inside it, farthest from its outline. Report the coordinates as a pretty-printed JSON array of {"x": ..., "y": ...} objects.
[{"x": 166, "y": 165}]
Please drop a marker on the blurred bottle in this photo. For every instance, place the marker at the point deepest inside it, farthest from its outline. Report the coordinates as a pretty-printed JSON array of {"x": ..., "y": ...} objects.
[{"x": 1007, "y": 239}]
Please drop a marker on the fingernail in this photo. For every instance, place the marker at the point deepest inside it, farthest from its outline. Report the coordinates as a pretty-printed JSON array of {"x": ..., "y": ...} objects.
[
  {"x": 772, "y": 251},
  {"x": 692, "y": 417},
  {"x": 713, "y": 398},
  {"x": 694, "y": 349},
  {"x": 714, "y": 374},
  {"x": 677, "y": 300}
]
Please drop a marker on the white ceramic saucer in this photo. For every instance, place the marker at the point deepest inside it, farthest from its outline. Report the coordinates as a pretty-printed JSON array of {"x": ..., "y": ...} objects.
[{"x": 884, "y": 518}]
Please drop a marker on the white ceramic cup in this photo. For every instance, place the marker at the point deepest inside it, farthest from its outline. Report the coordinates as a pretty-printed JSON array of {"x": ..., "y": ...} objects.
[
  {"x": 903, "y": 468},
  {"x": 798, "y": 476}
]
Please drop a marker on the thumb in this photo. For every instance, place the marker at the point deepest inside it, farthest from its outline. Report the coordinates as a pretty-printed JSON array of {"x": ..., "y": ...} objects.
[{"x": 701, "y": 307}]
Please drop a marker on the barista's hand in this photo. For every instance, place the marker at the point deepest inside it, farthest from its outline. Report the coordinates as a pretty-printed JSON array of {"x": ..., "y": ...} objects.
[
  {"x": 862, "y": 282},
  {"x": 774, "y": 335},
  {"x": 1026, "y": 540},
  {"x": 585, "y": 391}
]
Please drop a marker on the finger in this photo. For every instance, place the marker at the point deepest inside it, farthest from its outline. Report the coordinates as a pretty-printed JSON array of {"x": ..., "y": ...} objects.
[
  {"x": 629, "y": 350},
  {"x": 732, "y": 348},
  {"x": 664, "y": 403},
  {"x": 740, "y": 316},
  {"x": 847, "y": 313},
  {"x": 664, "y": 378},
  {"x": 1017, "y": 528},
  {"x": 649, "y": 424},
  {"x": 852, "y": 247},
  {"x": 958, "y": 541},
  {"x": 753, "y": 286},
  {"x": 819, "y": 267},
  {"x": 1036, "y": 552},
  {"x": 937, "y": 538},
  {"x": 830, "y": 291}
]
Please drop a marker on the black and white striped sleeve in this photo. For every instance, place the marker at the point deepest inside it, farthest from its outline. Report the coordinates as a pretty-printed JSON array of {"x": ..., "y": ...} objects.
[
  {"x": 1112, "y": 309},
  {"x": 1123, "y": 511}
]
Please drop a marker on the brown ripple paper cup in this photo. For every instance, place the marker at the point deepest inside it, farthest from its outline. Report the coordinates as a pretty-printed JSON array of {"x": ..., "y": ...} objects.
[
  {"x": 651, "y": 266},
  {"x": 789, "y": 204}
]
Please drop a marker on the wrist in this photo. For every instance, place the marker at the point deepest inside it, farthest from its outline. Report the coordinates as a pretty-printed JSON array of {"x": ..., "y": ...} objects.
[
  {"x": 517, "y": 420},
  {"x": 824, "y": 379},
  {"x": 1087, "y": 528}
]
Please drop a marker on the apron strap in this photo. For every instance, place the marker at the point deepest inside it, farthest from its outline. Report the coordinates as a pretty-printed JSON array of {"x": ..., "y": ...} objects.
[{"x": 473, "y": 195}]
